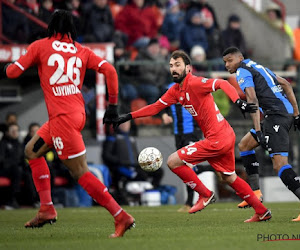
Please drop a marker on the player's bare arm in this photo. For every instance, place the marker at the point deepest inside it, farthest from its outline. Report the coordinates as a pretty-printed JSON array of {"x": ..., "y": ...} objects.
[
  {"x": 288, "y": 90},
  {"x": 251, "y": 97}
]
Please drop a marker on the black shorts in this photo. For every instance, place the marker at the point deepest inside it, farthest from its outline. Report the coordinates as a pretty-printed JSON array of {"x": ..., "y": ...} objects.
[
  {"x": 276, "y": 129},
  {"x": 183, "y": 140}
]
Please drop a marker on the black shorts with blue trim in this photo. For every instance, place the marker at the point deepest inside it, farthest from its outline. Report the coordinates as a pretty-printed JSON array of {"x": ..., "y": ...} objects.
[{"x": 276, "y": 129}]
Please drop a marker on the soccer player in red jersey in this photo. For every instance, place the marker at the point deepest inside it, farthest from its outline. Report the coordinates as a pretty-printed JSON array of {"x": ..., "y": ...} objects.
[
  {"x": 62, "y": 64},
  {"x": 194, "y": 93}
]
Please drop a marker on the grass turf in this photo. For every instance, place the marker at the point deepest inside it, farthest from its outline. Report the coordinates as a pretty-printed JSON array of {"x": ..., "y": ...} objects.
[{"x": 219, "y": 226}]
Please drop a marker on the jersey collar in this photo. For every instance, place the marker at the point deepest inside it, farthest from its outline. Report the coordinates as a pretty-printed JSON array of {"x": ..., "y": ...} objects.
[{"x": 65, "y": 38}]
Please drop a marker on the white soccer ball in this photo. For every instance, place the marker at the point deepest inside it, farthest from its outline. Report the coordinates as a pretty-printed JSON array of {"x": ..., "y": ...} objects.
[{"x": 150, "y": 159}]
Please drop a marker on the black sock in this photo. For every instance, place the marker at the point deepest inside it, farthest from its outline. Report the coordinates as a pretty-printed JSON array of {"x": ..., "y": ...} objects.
[
  {"x": 290, "y": 179},
  {"x": 251, "y": 165},
  {"x": 190, "y": 193}
]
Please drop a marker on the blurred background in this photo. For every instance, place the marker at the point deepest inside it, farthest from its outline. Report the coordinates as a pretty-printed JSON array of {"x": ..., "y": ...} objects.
[{"x": 137, "y": 37}]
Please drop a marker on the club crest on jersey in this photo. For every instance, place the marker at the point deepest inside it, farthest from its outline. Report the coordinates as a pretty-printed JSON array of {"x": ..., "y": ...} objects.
[
  {"x": 190, "y": 109},
  {"x": 64, "y": 47}
]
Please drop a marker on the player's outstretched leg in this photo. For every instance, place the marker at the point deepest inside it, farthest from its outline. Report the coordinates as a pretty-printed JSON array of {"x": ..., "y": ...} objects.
[
  {"x": 289, "y": 178},
  {"x": 190, "y": 178},
  {"x": 251, "y": 165},
  {"x": 41, "y": 179},
  {"x": 243, "y": 190},
  {"x": 99, "y": 192}
]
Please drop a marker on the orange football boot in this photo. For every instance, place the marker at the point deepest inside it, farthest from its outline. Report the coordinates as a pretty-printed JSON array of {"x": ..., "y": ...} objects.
[
  {"x": 202, "y": 203},
  {"x": 260, "y": 217},
  {"x": 122, "y": 224},
  {"x": 46, "y": 214},
  {"x": 259, "y": 196}
]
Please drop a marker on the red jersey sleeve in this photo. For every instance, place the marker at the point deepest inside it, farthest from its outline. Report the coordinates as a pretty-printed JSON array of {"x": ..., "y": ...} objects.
[
  {"x": 211, "y": 85},
  {"x": 229, "y": 90},
  {"x": 102, "y": 66},
  {"x": 27, "y": 60},
  {"x": 166, "y": 100}
]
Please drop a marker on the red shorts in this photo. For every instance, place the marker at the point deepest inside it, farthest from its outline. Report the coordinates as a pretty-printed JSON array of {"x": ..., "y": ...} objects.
[
  {"x": 218, "y": 152},
  {"x": 64, "y": 133}
]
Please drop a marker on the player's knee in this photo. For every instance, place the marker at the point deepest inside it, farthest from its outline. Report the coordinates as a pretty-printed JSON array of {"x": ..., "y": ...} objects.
[
  {"x": 171, "y": 162},
  {"x": 242, "y": 147}
]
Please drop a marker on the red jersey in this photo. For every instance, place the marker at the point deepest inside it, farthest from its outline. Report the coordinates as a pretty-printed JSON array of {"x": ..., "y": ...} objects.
[
  {"x": 61, "y": 66},
  {"x": 195, "y": 96}
]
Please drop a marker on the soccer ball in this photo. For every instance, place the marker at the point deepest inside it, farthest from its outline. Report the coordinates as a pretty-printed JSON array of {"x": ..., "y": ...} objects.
[{"x": 150, "y": 159}]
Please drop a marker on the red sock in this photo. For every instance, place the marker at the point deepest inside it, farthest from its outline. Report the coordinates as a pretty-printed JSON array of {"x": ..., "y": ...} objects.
[
  {"x": 190, "y": 178},
  {"x": 41, "y": 179},
  {"x": 244, "y": 191},
  {"x": 99, "y": 193}
]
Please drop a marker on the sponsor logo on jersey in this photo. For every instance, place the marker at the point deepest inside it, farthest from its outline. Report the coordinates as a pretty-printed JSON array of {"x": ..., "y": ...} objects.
[
  {"x": 64, "y": 47},
  {"x": 241, "y": 81},
  {"x": 204, "y": 80},
  {"x": 65, "y": 90},
  {"x": 190, "y": 109},
  {"x": 277, "y": 89},
  {"x": 276, "y": 128}
]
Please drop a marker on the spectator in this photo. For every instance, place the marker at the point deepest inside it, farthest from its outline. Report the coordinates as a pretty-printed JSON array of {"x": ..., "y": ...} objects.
[
  {"x": 32, "y": 128},
  {"x": 193, "y": 32},
  {"x": 11, "y": 162},
  {"x": 120, "y": 154},
  {"x": 10, "y": 118},
  {"x": 138, "y": 22},
  {"x": 153, "y": 75},
  {"x": 232, "y": 36},
  {"x": 46, "y": 10},
  {"x": 165, "y": 47},
  {"x": 76, "y": 9},
  {"x": 274, "y": 15},
  {"x": 173, "y": 23},
  {"x": 99, "y": 24},
  {"x": 198, "y": 57},
  {"x": 15, "y": 25},
  {"x": 201, "y": 5}
]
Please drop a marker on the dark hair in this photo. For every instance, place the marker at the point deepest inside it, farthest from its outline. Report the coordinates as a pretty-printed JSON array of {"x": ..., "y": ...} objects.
[
  {"x": 9, "y": 114},
  {"x": 231, "y": 50},
  {"x": 33, "y": 124},
  {"x": 12, "y": 124},
  {"x": 61, "y": 21},
  {"x": 181, "y": 54}
]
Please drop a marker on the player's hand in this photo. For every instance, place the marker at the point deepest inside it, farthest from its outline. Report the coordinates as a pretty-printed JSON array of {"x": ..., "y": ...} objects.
[
  {"x": 246, "y": 107},
  {"x": 111, "y": 115},
  {"x": 122, "y": 118},
  {"x": 3, "y": 71},
  {"x": 262, "y": 140},
  {"x": 297, "y": 122}
]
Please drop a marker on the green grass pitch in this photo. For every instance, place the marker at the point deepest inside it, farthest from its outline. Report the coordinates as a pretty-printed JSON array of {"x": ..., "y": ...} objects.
[{"x": 219, "y": 226}]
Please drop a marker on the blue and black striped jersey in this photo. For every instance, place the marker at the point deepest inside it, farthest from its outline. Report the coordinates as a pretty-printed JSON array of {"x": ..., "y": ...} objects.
[{"x": 269, "y": 92}]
